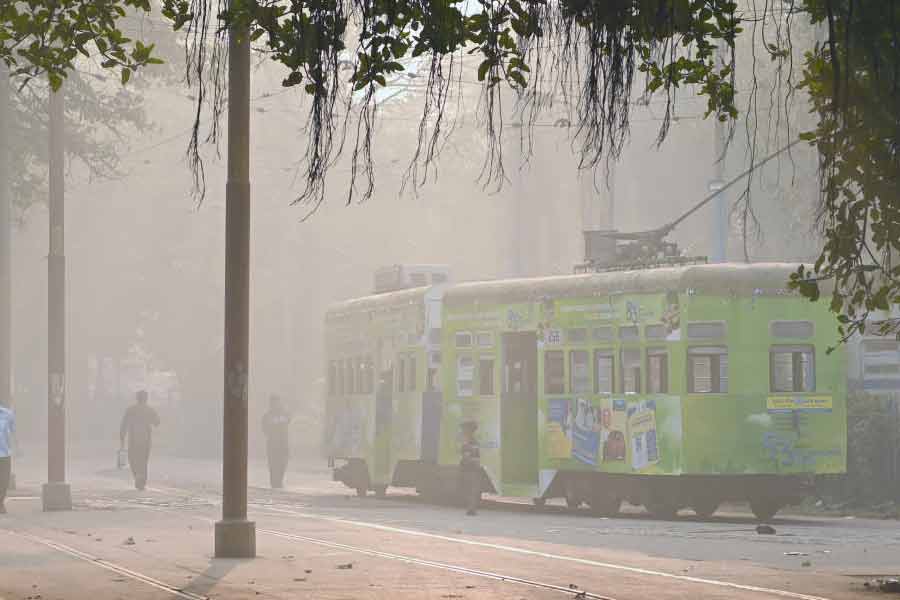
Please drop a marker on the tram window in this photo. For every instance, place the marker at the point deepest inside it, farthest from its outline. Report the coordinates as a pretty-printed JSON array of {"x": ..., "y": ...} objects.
[
  {"x": 369, "y": 375},
  {"x": 603, "y": 334},
  {"x": 579, "y": 371},
  {"x": 554, "y": 372},
  {"x": 631, "y": 371},
  {"x": 485, "y": 339},
  {"x": 792, "y": 329},
  {"x": 332, "y": 378},
  {"x": 708, "y": 370},
  {"x": 463, "y": 339},
  {"x": 465, "y": 374},
  {"x": 604, "y": 362},
  {"x": 655, "y": 332},
  {"x": 712, "y": 330},
  {"x": 576, "y": 336},
  {"x": 657, "y": 371},
  {"x": 348, "y": 377},
  {"x": 433, "y": 381},
  {"x": 792, "y": 369},
  {"x": 358, "y": 375},
  {"x": 629, "y": 332},
  {"x": 411, "y": 375},
  {"x": 486, "y": 377}
]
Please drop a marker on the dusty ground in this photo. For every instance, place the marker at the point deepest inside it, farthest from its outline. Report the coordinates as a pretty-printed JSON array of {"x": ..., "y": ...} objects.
[{"x": 317, "y": 540}]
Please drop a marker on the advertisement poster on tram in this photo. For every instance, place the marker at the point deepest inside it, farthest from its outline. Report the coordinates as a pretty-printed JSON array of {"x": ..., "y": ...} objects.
[
  {"x": 642, "y": 434},
  {"x": 586, "y": 432}
]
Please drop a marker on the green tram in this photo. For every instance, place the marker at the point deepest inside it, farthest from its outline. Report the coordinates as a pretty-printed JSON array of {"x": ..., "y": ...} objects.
[{"x": 671, "y": 388}]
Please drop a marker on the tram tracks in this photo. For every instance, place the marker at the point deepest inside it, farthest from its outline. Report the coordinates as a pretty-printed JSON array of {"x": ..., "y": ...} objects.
[{"x": 572, "y": 592}]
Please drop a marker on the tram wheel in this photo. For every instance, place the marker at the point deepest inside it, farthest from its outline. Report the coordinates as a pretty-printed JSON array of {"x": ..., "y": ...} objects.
[
  {"x": 362, "y": 492},
  {"x": 705, "y": 507},
  {"x": 381, "y": 491},
  {"x": 573, "y": 502},
  {"x": 764, "y": 509},
  {"x": 604, "y": 505},
  {"x": 539, "y": 502}
]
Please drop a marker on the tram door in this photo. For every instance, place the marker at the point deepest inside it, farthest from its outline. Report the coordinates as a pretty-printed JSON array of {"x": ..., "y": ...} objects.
[
  {"x": 384, "y": 414},
  {"x": 519, "y": 408}
]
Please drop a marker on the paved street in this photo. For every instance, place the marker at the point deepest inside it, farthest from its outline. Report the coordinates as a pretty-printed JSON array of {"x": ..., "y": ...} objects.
[{"x": 316, "y": 539}]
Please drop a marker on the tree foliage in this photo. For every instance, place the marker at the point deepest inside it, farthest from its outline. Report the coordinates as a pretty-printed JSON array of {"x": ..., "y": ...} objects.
[
  {"x": 585, "y": 53},
  {"x": 45, "y": 37},
  {"x": 852, "y": 81}
]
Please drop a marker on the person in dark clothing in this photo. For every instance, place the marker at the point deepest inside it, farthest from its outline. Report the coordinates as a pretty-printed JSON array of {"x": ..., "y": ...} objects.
[
  {"x": 470, "y": 467},
  {"x": 275, "y": 424},
  {"x": 137, "y": 426}
]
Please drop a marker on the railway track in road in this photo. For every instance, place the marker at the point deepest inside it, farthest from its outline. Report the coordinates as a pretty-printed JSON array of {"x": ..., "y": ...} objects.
[{"x": 461, "y": 569}]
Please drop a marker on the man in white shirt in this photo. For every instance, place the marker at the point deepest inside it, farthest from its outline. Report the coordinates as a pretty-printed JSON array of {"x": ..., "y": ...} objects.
[{"x": 7, "y": 428}]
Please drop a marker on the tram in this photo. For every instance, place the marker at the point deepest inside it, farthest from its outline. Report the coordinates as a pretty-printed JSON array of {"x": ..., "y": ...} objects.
[{"x": 672, "y": 388}]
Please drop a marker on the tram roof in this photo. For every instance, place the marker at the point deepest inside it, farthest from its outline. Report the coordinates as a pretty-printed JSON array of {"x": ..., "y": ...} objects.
[
  {"x": 714, "y": 279},
  {"x": 376, "y": 302}
]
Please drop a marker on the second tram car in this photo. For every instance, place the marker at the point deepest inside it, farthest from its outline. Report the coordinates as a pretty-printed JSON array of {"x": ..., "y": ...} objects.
[{"x": 671, "y": 388}]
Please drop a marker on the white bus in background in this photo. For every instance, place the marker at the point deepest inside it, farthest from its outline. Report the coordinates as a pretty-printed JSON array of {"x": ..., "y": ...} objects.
[{"x": 875, "y": 361}]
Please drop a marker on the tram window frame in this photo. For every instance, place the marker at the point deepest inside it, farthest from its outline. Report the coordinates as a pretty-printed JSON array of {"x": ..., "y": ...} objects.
[
  {"x": 796, "y": 353},
  {"x": 605, "y": 333},
  {"x": 484, "y": 339},
  {"x": 554, "y": 383},
  {"x": 782, "y": 329},
  {"x": 401, "y": 374},
  {"x": 634, "y": 358},
  {"x": 357, "y": 374},
  {"x": 707, "y": 330},
  {"x": 369, "y": 375},
  {"x": 655, "y": 331},
  {"x": 584, "y": 384},
  {"x": 629, "y": 333},
  {"x": 486, "y": 385},
  {"x": 348, "y": 377},
  {"x": 577, "y": 335},
  {"x": 714, "y": 354},
  {"x": 611, "y": 355},
  {"x": 463, "y": 339},
  {"x": 460, "y": 391},
  {"x": 411, "y": 374},
  {"x": 654, "y": 354},
  {"x": 332, "y": 378}
]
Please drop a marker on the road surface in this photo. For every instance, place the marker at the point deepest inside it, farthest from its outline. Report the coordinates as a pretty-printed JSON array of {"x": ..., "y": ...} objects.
[{"x": 316, "y": 539}]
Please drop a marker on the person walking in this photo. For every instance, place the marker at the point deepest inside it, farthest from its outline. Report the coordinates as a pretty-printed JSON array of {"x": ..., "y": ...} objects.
[
  {"x": 137, "y": 426},
  {"x": 275, "y": 426},
  {"x": 470, "y": 468},
  {"x": 7, "y": 429}
]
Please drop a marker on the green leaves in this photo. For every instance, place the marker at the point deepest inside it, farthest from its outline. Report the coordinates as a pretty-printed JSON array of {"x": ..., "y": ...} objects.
[{"x": 38, "y": 38}]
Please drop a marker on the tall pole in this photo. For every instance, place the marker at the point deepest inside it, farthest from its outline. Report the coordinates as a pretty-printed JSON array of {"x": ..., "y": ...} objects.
[
  {"x": 517, "y": 223},
  {"x": 5, "y": 241},
  {"x": 236, "y": 536},
  {"x": 720, "y": 204},
  {"x": 56, "y": 493},
  {"x": 5, "y": 245}
]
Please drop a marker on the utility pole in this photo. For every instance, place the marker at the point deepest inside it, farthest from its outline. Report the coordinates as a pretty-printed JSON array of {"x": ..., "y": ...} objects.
[
  {"x": 235, "y": 536},
  {"x": 598, "y": 213},
  {"x": 517, "y": 224},
  {"x": 56, "y": 493},
  {"x": 720, "y": 204},
  {"x": 5, "y": 246},
  {"x": 5, "y": 242}
]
